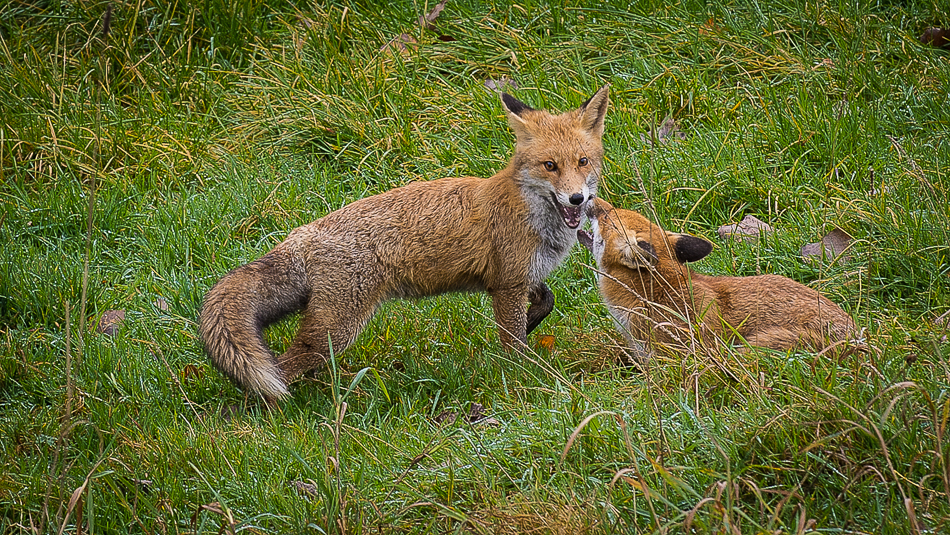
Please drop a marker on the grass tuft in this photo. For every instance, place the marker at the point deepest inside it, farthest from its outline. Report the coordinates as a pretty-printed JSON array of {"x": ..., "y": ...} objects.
[{"x": 147, "y": 148}]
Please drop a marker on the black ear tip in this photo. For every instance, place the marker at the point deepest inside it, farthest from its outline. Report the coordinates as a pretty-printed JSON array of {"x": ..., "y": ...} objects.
[
  {"x": 605, "y": 89},
  {"x": 514, "y": 105},
  {"x": 690, "y": 248}
]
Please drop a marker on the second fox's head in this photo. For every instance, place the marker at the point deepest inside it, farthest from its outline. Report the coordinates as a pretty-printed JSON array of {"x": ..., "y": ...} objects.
[
  {"x": 624, "y": 241},
  {"x": 558, "y": 158}
]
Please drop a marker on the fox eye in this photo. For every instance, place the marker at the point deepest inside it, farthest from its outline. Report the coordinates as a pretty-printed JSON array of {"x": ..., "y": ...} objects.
[
  {"x": 582, "y": 162},
  {"x": 550, "y": 166}
]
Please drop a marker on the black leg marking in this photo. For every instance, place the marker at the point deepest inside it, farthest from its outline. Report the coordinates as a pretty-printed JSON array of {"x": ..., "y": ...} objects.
[{"x": 541, "y": 300}]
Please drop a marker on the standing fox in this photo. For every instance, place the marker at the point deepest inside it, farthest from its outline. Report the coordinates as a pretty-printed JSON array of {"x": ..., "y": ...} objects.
[
  {"x": 653, "y": 296},
  {"x": 502, "y": 235}
]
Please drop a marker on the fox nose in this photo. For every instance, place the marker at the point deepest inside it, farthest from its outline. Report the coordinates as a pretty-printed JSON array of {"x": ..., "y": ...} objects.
[{"x": 576, "y": 199}]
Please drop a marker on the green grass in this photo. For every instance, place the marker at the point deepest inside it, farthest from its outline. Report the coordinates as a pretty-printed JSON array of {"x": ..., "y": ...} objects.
[{"x": 205, "y": 134}]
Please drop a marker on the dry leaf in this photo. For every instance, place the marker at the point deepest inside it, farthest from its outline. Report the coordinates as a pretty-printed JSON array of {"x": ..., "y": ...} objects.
[
  {"x": 446, "y": 417},
  {"x": 307, "y": 489},
  {"x": 476, "y": 414},
  {"x": 710, "y": 27},
  {"x": 492, "y": 422},
  {"x": 227, "y": 521},
  {"x": 501, "y": 84},
  {"x": 637, "y": 484},
  {"x": 668, "y": 129},
  {"x": 427, "y": 20},
  {"x": 546, "y": 341},
  {"x": 110, "y": 321},
  {"x": 832, "y": 245},
  {"x": 191, "y": 371},
  {"x": 402, "y": 42},
  {"x": 938, "y": 37},
  {"x": 943, "y": 322},
  {"x": 144, "y": 485},
  {"x": 750, "y": 228}
]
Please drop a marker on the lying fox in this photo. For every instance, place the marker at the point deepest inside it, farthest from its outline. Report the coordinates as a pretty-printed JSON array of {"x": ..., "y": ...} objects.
[
  {"x": 502, "y": 235},
  {"x": 654, "y": 296}
]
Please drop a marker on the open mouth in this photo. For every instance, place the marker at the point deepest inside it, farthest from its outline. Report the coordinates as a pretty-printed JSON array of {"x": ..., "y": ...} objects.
[
  {"x": 586, "y": 239},
  {"x": 570, "y": 214}
]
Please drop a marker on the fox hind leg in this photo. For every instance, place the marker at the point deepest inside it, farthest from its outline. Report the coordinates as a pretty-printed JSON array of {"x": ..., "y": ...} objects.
[{"x": 319, "y": 332}]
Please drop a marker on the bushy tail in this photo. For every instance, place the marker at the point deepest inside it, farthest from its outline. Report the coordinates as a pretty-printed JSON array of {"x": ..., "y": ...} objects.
[{"x": 235, "y": 312}]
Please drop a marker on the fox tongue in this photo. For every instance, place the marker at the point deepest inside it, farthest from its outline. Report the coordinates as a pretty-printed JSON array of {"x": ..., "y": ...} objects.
[{"x": 570, "y": 214}]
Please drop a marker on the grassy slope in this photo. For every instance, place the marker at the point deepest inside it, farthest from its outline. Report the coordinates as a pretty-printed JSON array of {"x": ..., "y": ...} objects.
[{"x": 208, "y": 134}]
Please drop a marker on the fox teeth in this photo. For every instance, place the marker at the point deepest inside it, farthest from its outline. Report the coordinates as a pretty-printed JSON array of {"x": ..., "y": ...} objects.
[{"x": 570, "y": 214}]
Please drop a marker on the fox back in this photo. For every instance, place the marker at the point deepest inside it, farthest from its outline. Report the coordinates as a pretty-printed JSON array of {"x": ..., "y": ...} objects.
[{"x": 657, "y": 299}]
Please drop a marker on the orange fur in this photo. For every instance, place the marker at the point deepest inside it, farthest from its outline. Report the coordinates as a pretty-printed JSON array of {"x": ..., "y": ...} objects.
[{"x": 657, "y": 300}]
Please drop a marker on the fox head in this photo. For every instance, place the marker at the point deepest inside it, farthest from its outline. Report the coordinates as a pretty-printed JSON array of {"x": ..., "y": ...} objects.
[
  {"x": 624, "y": 240},
  {"x": 558, "y": 158}
]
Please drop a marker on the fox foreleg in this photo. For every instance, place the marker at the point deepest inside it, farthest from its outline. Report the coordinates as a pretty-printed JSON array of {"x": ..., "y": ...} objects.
[{"x": 511, "y": 316}]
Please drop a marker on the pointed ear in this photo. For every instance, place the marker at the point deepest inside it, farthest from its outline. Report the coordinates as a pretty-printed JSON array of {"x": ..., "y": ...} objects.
[
  {"x": 637, "y": 255},
  {"x": 690, "y": 248},
  {"x": 592, "y": 111},
  {"x": 513, "y": 105},
  {"x": 515, "y": 109}
]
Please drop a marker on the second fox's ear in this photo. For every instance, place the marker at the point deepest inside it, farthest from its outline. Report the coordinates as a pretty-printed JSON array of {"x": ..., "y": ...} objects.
[
  {"x": 592, "y": 111},
  {"x": 690, "y": 248},
  {"x": 636, "y": 255}
]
